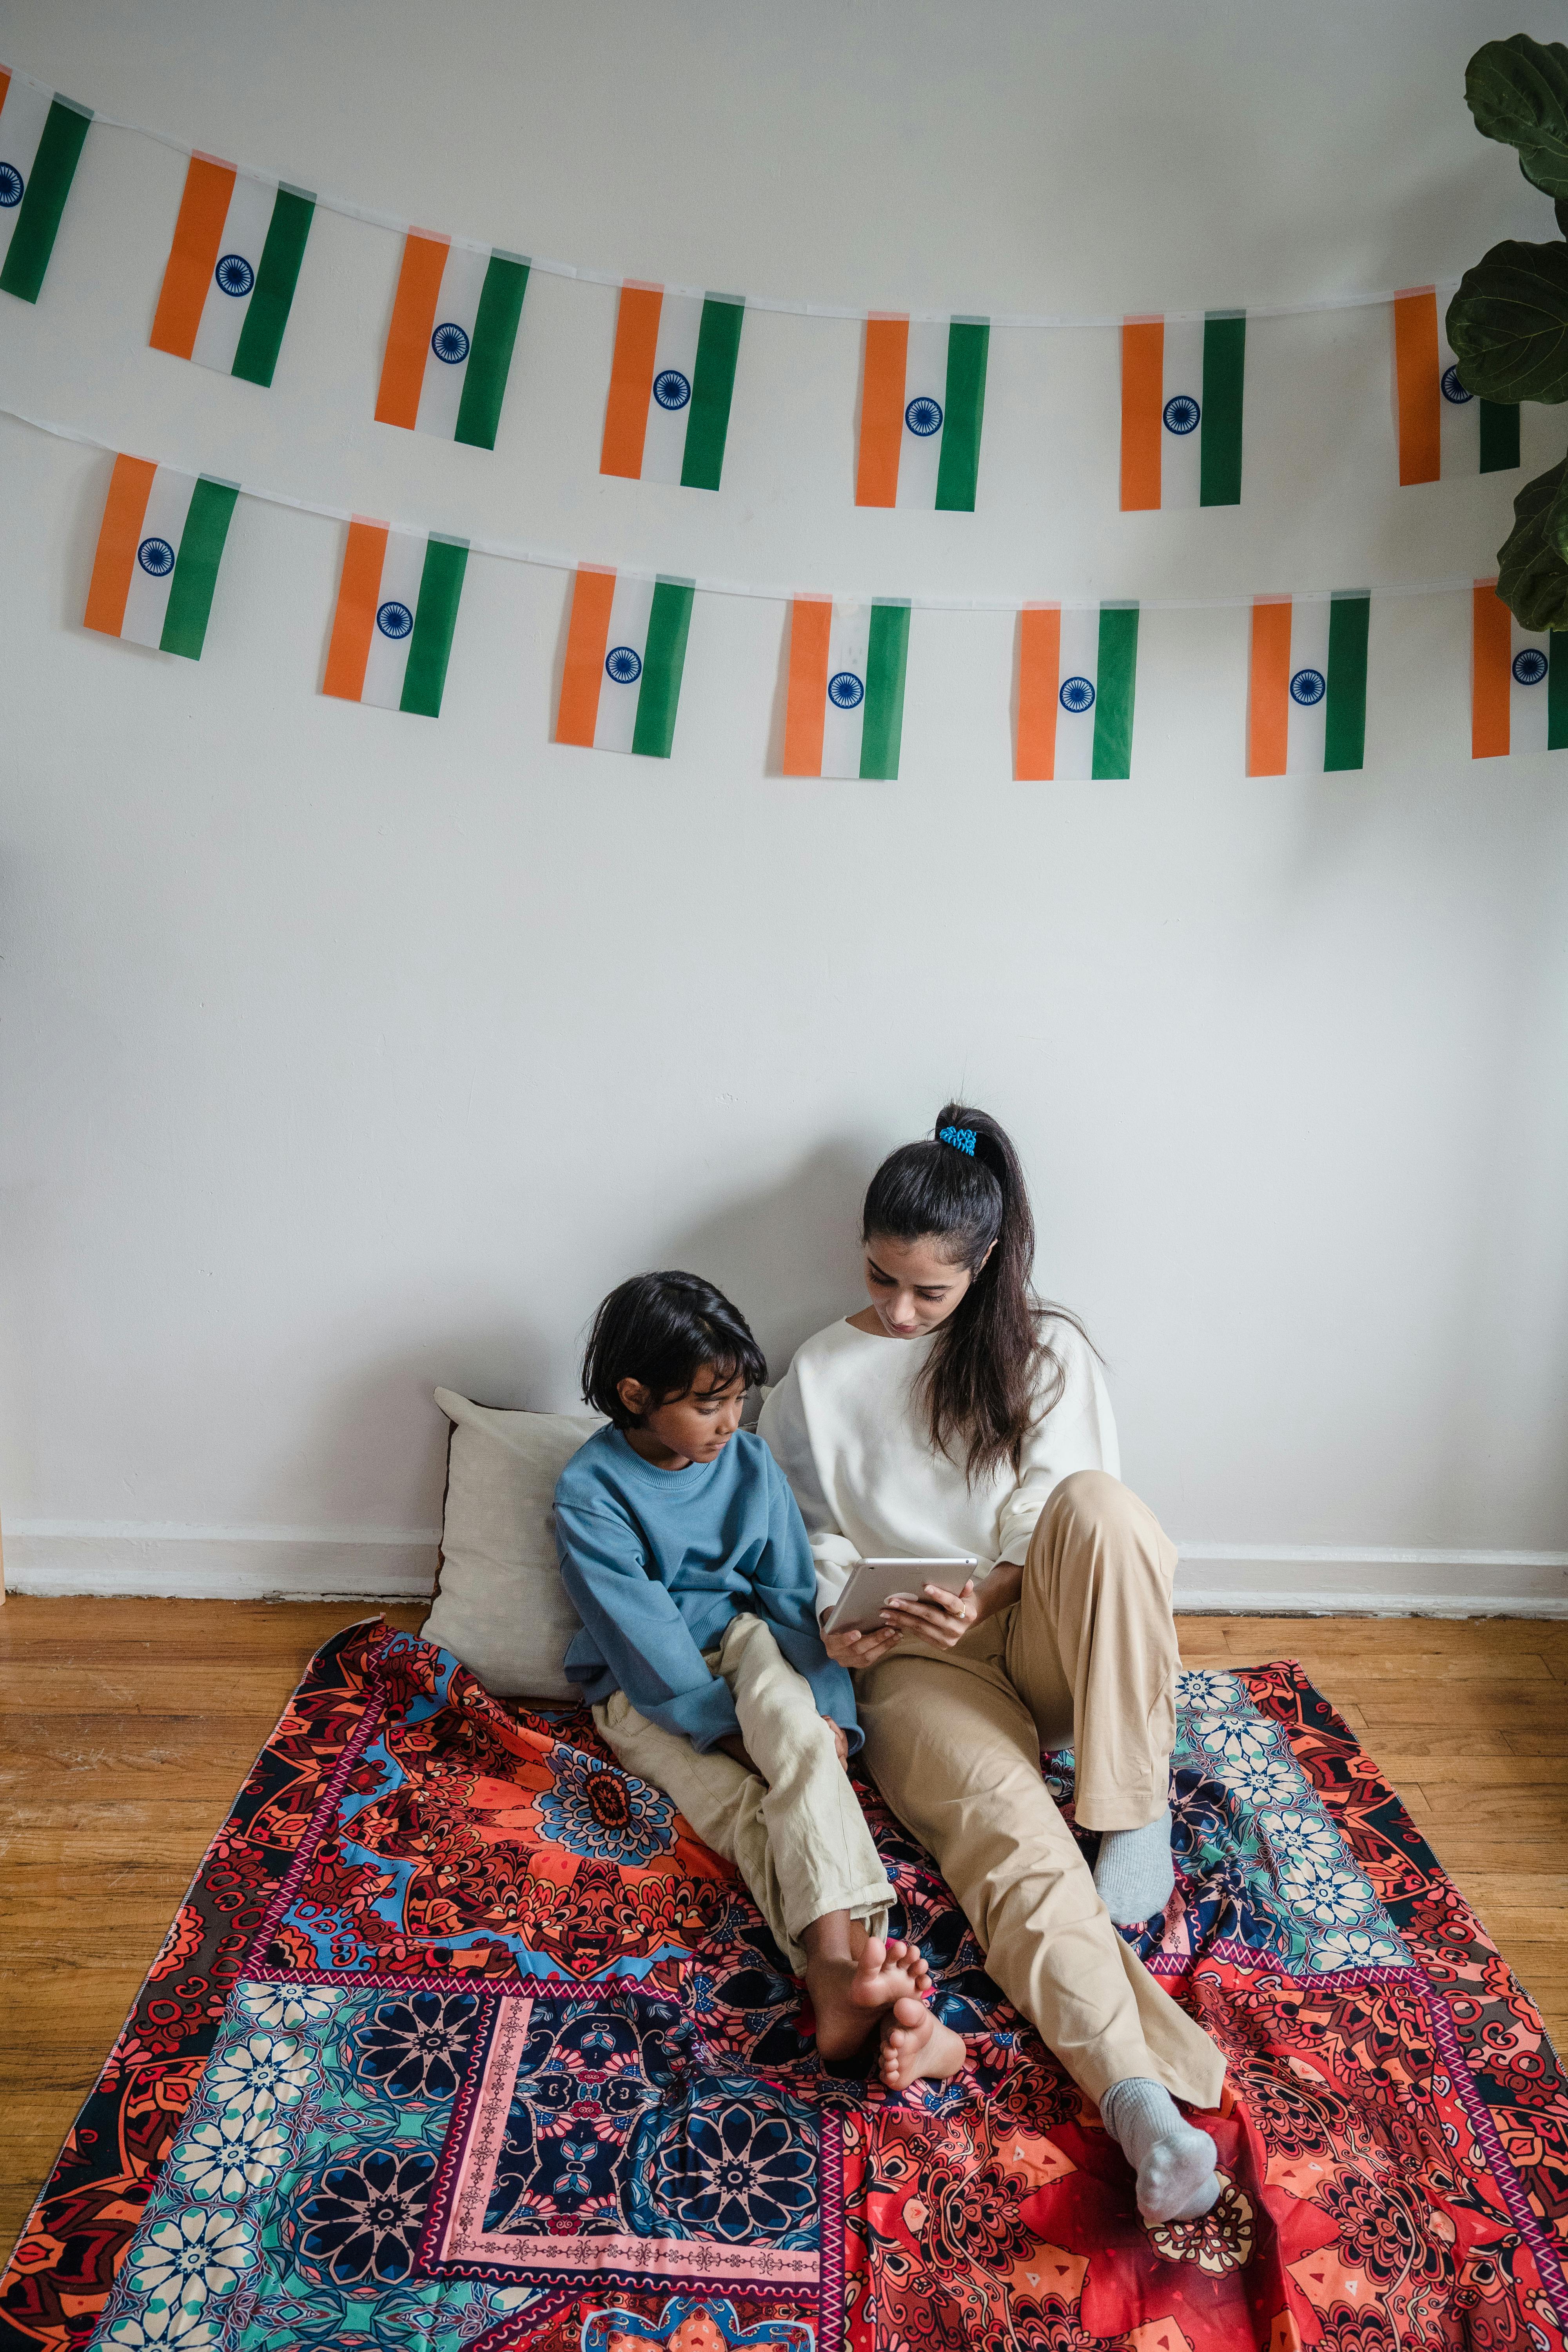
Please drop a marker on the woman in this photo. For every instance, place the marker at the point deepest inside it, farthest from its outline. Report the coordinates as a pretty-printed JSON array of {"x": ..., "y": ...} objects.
[{"x": 955, "y": 1414}]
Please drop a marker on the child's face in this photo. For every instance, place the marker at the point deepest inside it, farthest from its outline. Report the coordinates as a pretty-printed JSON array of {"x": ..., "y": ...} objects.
[{"x": 695, "y": 1427}]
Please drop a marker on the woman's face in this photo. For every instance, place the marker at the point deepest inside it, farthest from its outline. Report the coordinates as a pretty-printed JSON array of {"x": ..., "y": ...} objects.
[{"x": 912, "y": 1285}]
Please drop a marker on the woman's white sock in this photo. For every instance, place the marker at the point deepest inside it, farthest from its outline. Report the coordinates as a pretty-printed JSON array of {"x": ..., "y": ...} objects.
[
  {"x": 1134, "y": 1873},
  {"x": 1174, "y": 2162}
]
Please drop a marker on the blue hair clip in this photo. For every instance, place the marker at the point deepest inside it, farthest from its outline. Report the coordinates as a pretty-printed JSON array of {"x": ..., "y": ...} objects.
[{"x": 961, "y": 1138}]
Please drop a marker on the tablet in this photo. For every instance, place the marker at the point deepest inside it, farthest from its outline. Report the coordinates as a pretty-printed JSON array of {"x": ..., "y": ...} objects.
[{"x": 873, "y": 1582}]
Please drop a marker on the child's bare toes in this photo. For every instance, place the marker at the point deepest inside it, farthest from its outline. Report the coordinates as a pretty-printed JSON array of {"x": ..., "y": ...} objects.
[{"x": 915, "y": 2047}]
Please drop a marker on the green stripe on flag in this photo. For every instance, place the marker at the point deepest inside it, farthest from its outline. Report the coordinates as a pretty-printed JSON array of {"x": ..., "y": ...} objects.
[
  {"x": 261, "y": 337},
  {"x": 663, "y": 659},
  {"x": 1115, "y": 685},
  {"x": 44, "y": 198},
  {"x": 1557, "y": 692},
  {"x": 429, "y": 648},
  {"x": 489, "y": 361},
  {"x": 196, "y": 567},
  {"x": 887, "y": 653},
  {"x": 712, "y": 385},
  {"x": 1225, "y": 374},
  {"x": 1344, "y": 720},
  {"x": 963, "y": 406},
  {"x": 1499, "y": 437}
]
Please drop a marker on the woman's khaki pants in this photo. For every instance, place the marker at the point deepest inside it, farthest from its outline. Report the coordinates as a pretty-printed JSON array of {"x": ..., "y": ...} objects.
[{"x": 1085, "y": 1658}]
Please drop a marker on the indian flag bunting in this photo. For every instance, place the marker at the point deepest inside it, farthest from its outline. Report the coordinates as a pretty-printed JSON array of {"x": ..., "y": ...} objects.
[
  {"x": 922, "y": 403},
  {"x": 1306, "y": 712},
  {"x": 1182, "y": 386},
  {"x": 397, "y": 608},
  {"x": 1078, "y": 678},
  {"x": 229, "y": 281},
  {"x": 448, "y": 350},
  {"x": 1519, "y": 681},
  {"x": 671, "y": 380},
  {"x": 159, "y": 548},
  {"x": 626, "y": 650},
  {"x": 41, "y": 137},
  {"x": 1442, "y": 430},
  {"x": 845, "y": 711}
]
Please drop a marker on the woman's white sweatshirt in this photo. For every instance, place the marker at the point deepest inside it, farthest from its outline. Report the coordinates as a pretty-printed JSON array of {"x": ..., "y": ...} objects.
[{"x": 852, "y": 1439}]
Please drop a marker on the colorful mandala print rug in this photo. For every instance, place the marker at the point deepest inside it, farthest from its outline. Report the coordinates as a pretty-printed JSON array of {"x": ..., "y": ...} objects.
[{"x": 460, "y": 2040}]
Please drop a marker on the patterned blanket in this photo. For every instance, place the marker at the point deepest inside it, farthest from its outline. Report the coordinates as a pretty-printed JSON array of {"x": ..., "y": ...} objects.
[{"x": 460, "y": 2040}]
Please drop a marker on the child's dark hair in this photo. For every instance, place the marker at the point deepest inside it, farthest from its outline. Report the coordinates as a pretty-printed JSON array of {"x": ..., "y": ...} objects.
[
  {"x": 981, "y": 1380},
  {"x": 663, "y": 1330}
]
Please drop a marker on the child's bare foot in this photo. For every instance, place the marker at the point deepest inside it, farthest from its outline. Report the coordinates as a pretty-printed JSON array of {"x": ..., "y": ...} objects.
[
  {"x": 917, "y": 2046},
  {"x": 848, "y": 1996}
]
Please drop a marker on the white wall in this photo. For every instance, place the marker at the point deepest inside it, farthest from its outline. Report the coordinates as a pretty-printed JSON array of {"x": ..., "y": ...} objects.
[{"x": 347, "y": 1054}]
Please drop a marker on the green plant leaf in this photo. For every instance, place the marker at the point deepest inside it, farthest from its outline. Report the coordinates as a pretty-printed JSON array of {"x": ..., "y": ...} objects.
[
  {"x": 1508, "y": 323},
  {"x": 1533, "y": 567},
  {"x": 1518, "y": 92}
]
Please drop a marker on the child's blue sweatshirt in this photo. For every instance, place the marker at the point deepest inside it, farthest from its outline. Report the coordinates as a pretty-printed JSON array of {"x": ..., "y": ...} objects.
[{"x": 658, "y": 1562}]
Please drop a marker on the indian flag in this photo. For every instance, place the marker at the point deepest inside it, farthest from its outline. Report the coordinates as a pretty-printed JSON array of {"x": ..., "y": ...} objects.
[
  {"x": 41, "y": 136},
  {"x": 1519, "y": 681},
  {"x": 1442, "y": 430},
  {"x": 230, "y": 276},
  {"x": 397, "y": 608},
  {"x": 922, "y": 403},
  {"x": 1078, "y": 680},
  {"x": 845, "y": 711},
  {"x": 159, "y": 547},
  {"x": 626, "y": 650},
  {"x": 448, "y": 350},
  {"x": 1183, "y": 385},
  {"x": 1306, "y": 711},
  {"x": 667, "y": 415}
]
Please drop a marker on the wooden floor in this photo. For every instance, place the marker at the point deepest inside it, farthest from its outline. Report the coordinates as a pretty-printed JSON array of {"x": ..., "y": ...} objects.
[{"x": 126, "y": 1726}]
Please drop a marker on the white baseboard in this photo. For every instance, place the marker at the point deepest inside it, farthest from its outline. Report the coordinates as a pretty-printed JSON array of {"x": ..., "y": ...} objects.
[{"x": 58, "y": 1558}]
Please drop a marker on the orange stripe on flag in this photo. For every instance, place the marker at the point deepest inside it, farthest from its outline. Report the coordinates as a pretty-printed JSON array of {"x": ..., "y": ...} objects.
[
  {"x": 577, "y": 715},
  {"x": 5, "y": 83},
  {"x": 631, "y": 381},
  {"x": 1269, "y": 702},
  {"x": 1416, "y": 393},
  {"x": 408, "y": 337},
  {"x": 806, "y": 711},
  {"x": 192, "y": 256},
  {"x": 1142, "y": 391},
  {"x": 130, "y": 487},
  {"x": 359, "y": 591},
  {"x": 1039, "y": 666},
  {"x": 882, "y": 413},
  {"x": 1491, "y": 646}
]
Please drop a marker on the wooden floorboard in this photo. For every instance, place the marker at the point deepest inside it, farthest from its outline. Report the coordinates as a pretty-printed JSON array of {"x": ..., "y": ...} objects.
[{"x": 126, "y": 1726}]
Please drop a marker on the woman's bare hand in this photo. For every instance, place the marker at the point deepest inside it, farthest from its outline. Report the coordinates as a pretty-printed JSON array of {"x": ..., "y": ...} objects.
[
  {"x": 861, "y": 1649},
  {"x": 941, "y": 1617}
]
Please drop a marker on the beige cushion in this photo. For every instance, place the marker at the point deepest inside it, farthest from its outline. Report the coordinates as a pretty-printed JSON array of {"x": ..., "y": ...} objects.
[{"x": 500, "y": 1604}]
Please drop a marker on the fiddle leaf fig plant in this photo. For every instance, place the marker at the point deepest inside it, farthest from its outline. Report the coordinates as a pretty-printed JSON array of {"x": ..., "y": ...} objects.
[{"x": 1508, "y": 324}]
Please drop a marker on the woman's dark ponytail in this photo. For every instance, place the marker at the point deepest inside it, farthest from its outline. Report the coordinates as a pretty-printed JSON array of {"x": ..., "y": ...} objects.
[{"x": 964, "y": 1189}]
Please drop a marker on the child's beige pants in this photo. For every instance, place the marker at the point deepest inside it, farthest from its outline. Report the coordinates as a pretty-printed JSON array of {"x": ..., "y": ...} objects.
[
  {"x": 1085, "y": 1658},
  {"x": 797, "y": 1837}
]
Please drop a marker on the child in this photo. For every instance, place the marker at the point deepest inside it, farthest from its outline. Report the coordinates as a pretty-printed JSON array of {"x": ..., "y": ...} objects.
[{"x": 688, "y": 1562}]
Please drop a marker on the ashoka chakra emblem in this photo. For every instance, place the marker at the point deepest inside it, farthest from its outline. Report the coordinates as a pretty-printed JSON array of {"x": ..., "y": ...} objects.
[
  {"x": 624, "y": 664},
  {"x": 11, "y": 185},
  {"x": 1453, "y": 389},
  {"x": 1182, "y": 414},
  {"x": 924, "y": 416},
  {"x": 845, "y": 690},
  {"x": 1529, "y": 667},
  {"x": 393, "y": 620},
  {"x": 1077, "y": 694},
  {"x": 450, "y": 343},
  {"x": 233, "y": 275},
  {"x": 671, "y": 389},
  {"x": 1309, "y": 686},
  {"x": 156, "y": 556}
]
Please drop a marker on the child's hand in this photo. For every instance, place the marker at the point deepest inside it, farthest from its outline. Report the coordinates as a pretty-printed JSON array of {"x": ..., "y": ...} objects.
[
  {"x": 861, "y": 1649},
  {"x": 840, "y": 1740}
]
